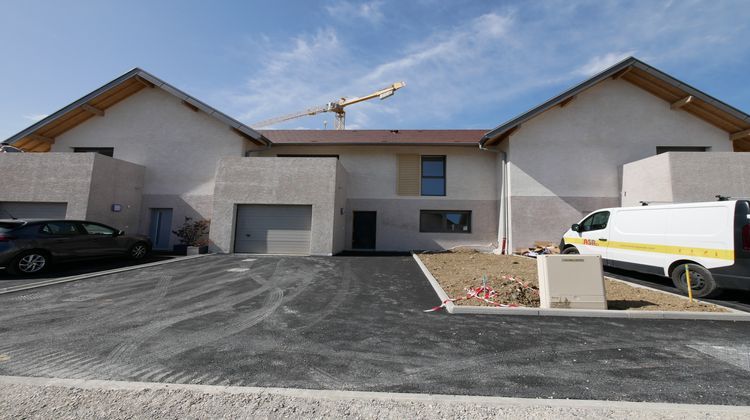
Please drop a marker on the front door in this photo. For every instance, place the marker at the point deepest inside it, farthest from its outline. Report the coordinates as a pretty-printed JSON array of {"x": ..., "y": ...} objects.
[
  {"x": 364, "y": 230},
  {"x": 161, "y": 228}
]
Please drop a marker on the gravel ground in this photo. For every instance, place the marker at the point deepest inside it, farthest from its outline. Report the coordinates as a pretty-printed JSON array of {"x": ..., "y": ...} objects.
[
  {"x": 455, "y": 271},
  {"x": 70, "y": 402}
]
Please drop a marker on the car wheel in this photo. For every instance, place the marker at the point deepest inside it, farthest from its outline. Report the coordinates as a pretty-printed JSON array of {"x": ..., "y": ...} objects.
[
  {"x": 138, "y": 251},
  {"x": 570, "y": 250},
  {"x": 29, "y": 262},
  {"x": 701, "y": 280}
]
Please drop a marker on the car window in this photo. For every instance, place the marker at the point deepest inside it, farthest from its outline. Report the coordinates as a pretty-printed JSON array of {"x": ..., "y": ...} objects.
[
  {"x": 596, "y": 221},
  {"x": 7, "y": 227},
  {"x": 97, "y": 229},
  {"x": 60, "y": 228}
]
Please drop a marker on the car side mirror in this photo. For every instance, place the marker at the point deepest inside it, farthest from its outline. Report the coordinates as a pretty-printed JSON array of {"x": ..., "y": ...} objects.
[{"x": 575, "y": 227}]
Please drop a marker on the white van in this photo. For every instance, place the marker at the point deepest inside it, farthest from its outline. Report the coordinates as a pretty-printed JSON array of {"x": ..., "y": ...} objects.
[{"x": 712, "y": 238}]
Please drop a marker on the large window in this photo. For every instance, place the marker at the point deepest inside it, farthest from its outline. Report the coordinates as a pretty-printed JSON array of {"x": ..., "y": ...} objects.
[
  {"x": 97, "y": 229},
  {"x": 106, "y": 151},
  {"x": 450, "y": 221},
  {"x": 596, "y": 221},
  {"x": 60, "y": 228},
  {"x": 433, "y": 175}
]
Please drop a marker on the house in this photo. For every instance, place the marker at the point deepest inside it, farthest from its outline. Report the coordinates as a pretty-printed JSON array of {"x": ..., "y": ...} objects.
[{"x": 141, "y": 155}]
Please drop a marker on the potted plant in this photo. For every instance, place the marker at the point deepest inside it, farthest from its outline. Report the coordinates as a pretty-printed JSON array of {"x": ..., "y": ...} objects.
[{"x": 192, "y": 235}]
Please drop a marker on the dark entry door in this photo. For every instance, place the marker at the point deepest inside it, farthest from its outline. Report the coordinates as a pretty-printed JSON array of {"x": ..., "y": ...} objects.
[{"x": 364, "y": 230}]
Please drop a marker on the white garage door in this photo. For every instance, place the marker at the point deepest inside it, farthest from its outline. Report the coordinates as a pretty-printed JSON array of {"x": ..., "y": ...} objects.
[
  {"x": 273, "y": 229},
  {"x": 21, "y": 210}
]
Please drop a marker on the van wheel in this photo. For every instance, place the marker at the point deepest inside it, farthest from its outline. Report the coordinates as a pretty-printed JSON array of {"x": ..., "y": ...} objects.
[
  {"x": 29, "y": 262},
  {"x": 701, "y": 280},
  {"x": 570, "y": 250}
]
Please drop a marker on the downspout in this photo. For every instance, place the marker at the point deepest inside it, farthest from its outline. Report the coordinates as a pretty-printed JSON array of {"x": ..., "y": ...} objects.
[{"x": 503, "y": 222}]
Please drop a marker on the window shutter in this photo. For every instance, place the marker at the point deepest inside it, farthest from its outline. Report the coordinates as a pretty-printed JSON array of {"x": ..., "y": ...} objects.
[{"x": 408, "y": 174}]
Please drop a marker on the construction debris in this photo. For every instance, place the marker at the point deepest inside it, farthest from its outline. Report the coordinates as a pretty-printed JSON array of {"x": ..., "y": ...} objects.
[{"x": 540, "y": 248}]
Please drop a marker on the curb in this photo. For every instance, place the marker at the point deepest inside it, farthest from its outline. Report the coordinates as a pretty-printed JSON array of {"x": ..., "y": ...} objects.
[
  {"x": 52, "y": 282},
  {"x": 371, "y": 395},
  {"x": 732, "y": 315}
]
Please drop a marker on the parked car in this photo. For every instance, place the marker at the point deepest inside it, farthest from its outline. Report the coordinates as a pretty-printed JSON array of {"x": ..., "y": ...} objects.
[
  {"x": 711, "y": 239},
  {"x": 6, "y": 148},
  {"x": 30, "y": 246}
]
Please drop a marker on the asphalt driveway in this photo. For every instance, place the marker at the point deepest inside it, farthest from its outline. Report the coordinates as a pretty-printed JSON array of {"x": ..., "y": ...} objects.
[{"x": 353, "y": 323}]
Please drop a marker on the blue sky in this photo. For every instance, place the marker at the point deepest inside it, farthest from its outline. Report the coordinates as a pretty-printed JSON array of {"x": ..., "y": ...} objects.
[{"x": 468, "y": 64}]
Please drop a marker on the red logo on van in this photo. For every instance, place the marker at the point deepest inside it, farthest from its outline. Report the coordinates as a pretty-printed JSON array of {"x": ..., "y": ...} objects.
[{"x": 589, "y": 242}]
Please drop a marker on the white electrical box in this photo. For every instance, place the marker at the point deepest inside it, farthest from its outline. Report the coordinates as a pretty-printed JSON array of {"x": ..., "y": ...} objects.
[{"x": 571, "y": 282}]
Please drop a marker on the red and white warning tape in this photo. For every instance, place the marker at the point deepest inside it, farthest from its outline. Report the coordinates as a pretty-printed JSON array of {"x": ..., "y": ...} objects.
[{"x": 484, "y": 293}]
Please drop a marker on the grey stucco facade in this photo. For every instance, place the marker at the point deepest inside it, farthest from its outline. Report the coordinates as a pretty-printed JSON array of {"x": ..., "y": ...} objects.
[
  {"x": 88, "y": 183},
  {"x": 680, "y": 177},
  {"x": 319, "y": 182}
]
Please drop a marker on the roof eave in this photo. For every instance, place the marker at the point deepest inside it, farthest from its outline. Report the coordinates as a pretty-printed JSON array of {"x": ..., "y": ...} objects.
[
  {"x": 158, "y": 83},
  {"x": 611, "y": 71}
]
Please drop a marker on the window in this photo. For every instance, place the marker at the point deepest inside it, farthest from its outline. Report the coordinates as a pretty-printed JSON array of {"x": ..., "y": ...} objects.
[
  {"x": 433, "y": 175},
  {"x": 310, "y": 156},
  {"x": 596, "y": 221},
  {"x": 97, "y": 229},
  {"x": 445, "y": 221},
  {"x": 665, "y": 149},
  {"x": 60, "y": 228},
  {"x": 106, "y": 151}
]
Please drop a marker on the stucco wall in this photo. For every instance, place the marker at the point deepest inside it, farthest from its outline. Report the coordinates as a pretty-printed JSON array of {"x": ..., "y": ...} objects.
[
  {"x": 114, "y": 181},
  {"x": 265, "y": 180},
  {"x": 647, "y": 179},
  {"x": 690, "y": 177},
  {"x": 48, "y": 178},
  {"x": 566, "y": 162},
  {"x": 371, "y": 172},
  {"x": 179, "y": 148},
  {"x": 87, "y": 182}
]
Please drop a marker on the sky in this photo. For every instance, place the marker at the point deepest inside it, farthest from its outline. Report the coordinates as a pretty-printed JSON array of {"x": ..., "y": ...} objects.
[{"x": 467, "y": 64}]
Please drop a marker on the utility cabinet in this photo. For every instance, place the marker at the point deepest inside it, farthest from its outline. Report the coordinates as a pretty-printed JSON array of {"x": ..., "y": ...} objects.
[{"x": 571, "y": 282}]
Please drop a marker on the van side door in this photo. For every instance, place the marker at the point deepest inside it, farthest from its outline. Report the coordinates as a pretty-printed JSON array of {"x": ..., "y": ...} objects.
[{"x": 593, "y": 234}]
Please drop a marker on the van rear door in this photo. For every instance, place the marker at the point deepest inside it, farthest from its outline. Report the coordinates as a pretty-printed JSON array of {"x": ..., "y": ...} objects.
[{"x": 593, "y": 234}]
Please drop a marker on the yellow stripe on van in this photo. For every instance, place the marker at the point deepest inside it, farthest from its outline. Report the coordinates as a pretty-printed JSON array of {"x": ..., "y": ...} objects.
[{"x": 719, "y": 254}]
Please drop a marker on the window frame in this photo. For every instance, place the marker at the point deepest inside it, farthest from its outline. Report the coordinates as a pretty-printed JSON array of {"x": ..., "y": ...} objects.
[
  {"x": 422, "y": 176},
  {"x": 444, "y": 214},
  {"x": 78, "y": 228},
  {"x": 97, "y": 150}
]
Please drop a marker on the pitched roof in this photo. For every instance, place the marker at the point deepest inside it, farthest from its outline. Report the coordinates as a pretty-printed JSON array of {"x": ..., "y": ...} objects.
[
  {"x": 373, "y": 137},
  {"x": 40, "y": 136},
  {"x": 679, "y": 94}
]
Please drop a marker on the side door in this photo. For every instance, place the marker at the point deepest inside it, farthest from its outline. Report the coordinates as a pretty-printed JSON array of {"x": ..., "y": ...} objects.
[
  {"x": 100, "y": 240},
  {"x": 593, "y": 234},
  {"x": 63, "y": 239}
]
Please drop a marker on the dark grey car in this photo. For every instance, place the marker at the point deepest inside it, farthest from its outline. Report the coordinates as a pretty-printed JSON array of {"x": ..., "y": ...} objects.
[{"x": 30, "y": 246}]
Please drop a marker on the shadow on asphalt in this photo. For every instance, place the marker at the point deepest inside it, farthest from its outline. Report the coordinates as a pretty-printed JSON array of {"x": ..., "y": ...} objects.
[
  {"x": 77, "y": 268},
  {"x": 737, "y": 299}
]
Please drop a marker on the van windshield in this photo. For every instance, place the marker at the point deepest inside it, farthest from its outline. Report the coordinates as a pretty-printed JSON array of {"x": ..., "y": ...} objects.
[{"x": 8, "y": 226}]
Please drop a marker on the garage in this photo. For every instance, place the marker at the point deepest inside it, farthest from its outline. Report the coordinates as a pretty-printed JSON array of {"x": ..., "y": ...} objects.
[
  {"x": 28, "y": 210},
  {"x": 273, "y": 229}
]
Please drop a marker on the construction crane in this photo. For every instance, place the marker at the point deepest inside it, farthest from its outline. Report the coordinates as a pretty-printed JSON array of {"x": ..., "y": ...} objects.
[{"x": 335, "y": 107}]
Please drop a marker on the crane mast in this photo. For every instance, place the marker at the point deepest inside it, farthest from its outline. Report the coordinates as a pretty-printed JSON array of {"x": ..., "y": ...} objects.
[{"x": 335, "y": 107}]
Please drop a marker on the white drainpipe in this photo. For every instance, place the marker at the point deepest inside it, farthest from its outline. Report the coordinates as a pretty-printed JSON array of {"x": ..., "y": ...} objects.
[{"x": 503, "y": 225}]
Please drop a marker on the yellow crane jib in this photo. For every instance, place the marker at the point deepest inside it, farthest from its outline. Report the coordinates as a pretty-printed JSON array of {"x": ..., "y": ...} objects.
[{"x": 335, "y": 107}]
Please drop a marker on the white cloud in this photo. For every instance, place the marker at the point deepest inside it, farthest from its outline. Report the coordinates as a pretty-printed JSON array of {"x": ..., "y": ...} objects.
[
  {"x": 349, "y": 11},
  {"x": 497, "y": 62},
  {"x": 601, "y": 62},
  {"x": 35, "y": 117}
]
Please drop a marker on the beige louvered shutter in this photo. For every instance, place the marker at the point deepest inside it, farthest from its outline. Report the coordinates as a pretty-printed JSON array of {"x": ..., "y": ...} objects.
[{"x": 408, "y": 175}]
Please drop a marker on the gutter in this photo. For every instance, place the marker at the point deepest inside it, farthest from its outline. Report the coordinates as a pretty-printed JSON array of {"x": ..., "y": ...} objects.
[{"x": 503, "y": 223}]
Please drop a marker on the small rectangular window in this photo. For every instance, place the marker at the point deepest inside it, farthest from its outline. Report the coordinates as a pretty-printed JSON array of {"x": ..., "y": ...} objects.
[
  {"x": 106, "y": 151},
  {"x": 446, "y": 221},
  {"x": 665, "y": 149},
  {"x": 433, "y": 175}
]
